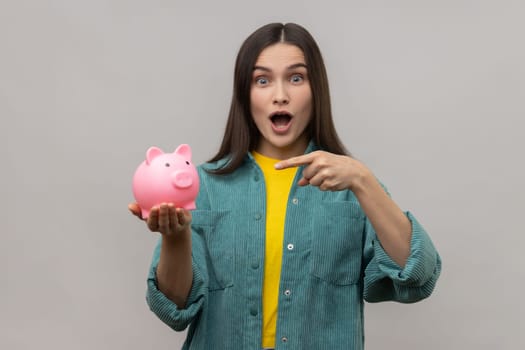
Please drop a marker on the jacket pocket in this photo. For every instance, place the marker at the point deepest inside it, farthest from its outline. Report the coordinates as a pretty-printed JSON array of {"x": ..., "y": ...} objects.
[
  {"x": 337, "y": 243},
  {"x": 217, "y": 232}
]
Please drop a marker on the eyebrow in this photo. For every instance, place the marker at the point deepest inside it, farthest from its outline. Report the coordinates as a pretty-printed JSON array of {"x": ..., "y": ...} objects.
[{"x": 293, "y": 66}]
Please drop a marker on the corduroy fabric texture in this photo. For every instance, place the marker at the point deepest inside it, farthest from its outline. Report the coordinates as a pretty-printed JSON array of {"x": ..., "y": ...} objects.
[{"x": 332, "y": 262}]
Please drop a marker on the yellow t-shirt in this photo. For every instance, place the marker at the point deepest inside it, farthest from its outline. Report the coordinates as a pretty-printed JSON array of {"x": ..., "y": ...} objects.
[{"x": 278, "y": 184}]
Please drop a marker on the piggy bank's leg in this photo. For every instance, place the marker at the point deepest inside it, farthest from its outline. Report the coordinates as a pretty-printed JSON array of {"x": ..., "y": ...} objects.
[
  {"x": 190, "y": 206},
  {"x": 145, "y": 213}
]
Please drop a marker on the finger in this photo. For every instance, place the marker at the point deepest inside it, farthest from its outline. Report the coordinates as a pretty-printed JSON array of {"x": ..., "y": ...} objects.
[
  {"x": 183, "y": 216},
  {"x": 173, "y": 218},
  {"x": 303, "y": 182},
  {"x": 311, "y": 170},
  {"x": 316, "y": 180},
  {"x": 135, "y": 210},
  {"x": 179, "y": 216},
  {"x": 164, "y": 221},
  {"x": 324, "y": 181},
  {"x": 153, "y": 219},
  {"x": 295, "y": 161}
]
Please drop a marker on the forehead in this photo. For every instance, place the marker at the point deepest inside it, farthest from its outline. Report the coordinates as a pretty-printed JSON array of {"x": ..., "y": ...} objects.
[{"x": 280, "y": 53}]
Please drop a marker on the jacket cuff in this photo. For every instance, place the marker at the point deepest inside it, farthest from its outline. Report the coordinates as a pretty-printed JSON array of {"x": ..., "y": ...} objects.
[
  {"x": 166, "y": 310},
  {"x": 421, "y": 265}
]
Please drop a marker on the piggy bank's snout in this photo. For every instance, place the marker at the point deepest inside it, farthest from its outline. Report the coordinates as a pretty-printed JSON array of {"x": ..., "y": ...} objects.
[{"x": 182, "y": 179}]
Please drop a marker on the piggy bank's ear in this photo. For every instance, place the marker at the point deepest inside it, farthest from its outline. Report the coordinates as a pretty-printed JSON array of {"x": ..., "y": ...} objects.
[
  {"x": 184, "y": 150},
  {"x": 152, "y": 153}
]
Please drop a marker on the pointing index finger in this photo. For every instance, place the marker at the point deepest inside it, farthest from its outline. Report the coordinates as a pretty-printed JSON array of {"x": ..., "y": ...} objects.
[{"x": 294, "y": 161}]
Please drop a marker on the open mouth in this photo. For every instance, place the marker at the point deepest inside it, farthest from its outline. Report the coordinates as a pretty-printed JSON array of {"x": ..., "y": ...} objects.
[{"x": 281, "y": 120}]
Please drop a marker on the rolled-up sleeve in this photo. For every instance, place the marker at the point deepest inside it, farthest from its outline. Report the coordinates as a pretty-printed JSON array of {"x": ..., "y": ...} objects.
[
  {"x": 165, "y": 309},
  {"x": 386, "y": 280}
]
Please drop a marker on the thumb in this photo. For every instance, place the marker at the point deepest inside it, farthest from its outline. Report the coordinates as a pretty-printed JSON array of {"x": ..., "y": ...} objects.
[
  {"x": 303, "y": 182},
  {"x": 135, "y": 210}
]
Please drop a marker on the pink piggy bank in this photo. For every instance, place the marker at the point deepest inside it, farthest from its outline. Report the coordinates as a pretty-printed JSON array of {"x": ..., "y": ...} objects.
[{"x": 166, "y": 178}]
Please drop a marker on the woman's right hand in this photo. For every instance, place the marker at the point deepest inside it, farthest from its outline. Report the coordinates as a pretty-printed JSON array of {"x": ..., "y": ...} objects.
[
  {"x": 174, "y": 269},
  {"x": 171, "y": 222}
]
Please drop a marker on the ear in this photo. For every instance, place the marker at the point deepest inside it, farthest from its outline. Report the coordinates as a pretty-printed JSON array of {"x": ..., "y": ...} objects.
[
  {"x": 184, "y": 150},
  {"x": 152, "y": 153}
]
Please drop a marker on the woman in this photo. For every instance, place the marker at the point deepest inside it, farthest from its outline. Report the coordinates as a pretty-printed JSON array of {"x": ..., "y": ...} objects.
[{"x": 291, "y": 233}]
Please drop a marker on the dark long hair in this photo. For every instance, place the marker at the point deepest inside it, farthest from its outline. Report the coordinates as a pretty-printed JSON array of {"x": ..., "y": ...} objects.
[{"x": 241, "y": 134}]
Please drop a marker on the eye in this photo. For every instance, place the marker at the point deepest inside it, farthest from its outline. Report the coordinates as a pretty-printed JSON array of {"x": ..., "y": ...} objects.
[
  {"x": 261, "y": 81},
  {"x": 167, "y": 164},
  {"x": 296, "y": 78},
  {"x": 187, "y": 162}
]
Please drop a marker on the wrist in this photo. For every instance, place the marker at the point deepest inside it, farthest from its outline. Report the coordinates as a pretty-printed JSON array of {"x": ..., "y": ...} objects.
[
  {"x": 180, "y": 238},
  {"x": 362, "y": 181}
]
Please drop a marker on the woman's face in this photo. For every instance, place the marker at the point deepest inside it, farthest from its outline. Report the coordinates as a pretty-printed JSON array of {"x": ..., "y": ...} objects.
[{"x": 281, "y": 101}]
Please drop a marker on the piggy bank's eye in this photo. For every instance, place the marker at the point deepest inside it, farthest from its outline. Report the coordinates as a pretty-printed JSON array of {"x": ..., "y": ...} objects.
[
  {"x": 167, "y": 164},
  {"x": 187, "y": 162}
]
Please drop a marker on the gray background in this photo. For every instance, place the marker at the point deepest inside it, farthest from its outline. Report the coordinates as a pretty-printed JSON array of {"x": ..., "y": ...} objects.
[{"x": 429, "y": 94}]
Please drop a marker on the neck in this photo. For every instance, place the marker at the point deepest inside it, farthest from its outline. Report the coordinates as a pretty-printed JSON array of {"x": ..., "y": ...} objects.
[{"x": 281, "y": 153}]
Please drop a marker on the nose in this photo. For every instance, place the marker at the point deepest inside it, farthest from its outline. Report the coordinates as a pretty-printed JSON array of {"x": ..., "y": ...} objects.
[
  {"x": 181, "y": 179},
  {"x": 280, "y": 95}
]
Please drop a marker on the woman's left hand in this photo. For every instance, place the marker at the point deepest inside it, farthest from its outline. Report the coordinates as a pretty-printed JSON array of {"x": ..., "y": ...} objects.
[
  {"x": 332, "y": 172},
  {"x": 328, "y": 171}
]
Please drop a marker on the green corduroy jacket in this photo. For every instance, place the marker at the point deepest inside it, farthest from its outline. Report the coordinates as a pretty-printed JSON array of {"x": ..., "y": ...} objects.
[{"x": 332, "y": 261}]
